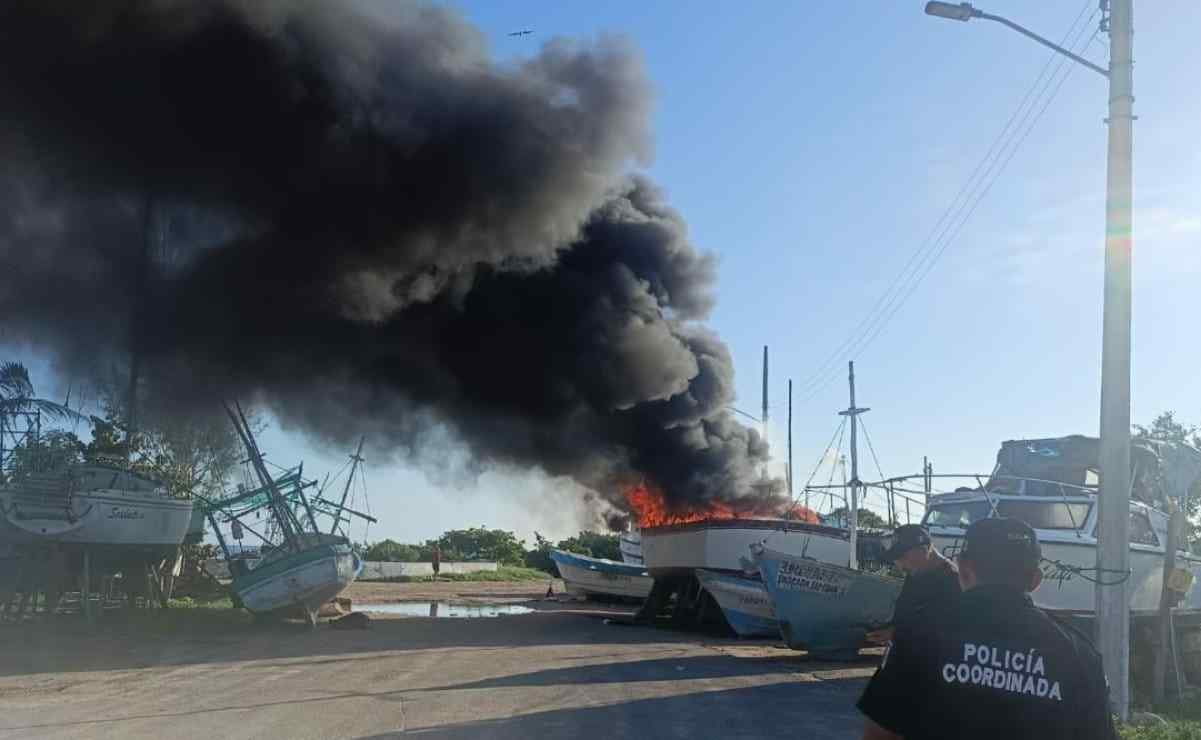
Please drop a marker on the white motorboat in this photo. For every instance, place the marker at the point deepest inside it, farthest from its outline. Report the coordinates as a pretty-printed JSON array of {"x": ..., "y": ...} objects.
[
  {"x": 1051, "y": 484},
  {"x": 1066, "y": 528}
]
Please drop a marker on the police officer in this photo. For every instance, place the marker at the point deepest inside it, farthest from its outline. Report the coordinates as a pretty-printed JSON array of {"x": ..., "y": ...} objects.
[
  {"x": 991, "y": 665},
  {"x": 931, "y": 581}
]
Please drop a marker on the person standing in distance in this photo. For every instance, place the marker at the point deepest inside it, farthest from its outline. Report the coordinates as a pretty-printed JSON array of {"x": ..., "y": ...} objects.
[
  {"x": 991, "y": 665},
  {"x": 931, "y": 581}
]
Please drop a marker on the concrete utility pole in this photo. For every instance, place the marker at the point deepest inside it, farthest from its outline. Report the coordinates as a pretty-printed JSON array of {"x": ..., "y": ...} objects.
[
  {"x": 1113, "y": 536},
  {"x": 1113, "y": 502},
  {"x": 763, "y": 418}
]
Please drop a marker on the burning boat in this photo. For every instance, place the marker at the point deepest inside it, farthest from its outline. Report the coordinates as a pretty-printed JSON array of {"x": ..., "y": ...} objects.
[{"x": 586, "y": 576}]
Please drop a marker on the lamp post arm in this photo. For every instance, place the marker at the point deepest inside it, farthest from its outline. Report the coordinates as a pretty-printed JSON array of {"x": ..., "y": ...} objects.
[{"x": 1045, "y": 42}]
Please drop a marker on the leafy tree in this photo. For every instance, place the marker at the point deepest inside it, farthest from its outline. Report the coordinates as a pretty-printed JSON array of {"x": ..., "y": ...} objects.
[
  {"x": 17, "y": 395},
  {"x": 594, "y": 544},
  {"x": 54, "y": 448},
  {"x": 479, "y": 543},
  {"x": 1165, "y": 428},
  {"x": 868, "y": 519},
  {"x": 189, "y": 452},
  {"x": 391, "y": 551},
  {"x": 539, "y": 557}
]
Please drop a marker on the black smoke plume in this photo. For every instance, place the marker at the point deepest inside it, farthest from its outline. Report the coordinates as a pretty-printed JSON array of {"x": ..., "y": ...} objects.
[{"x": 368, "y": 226}]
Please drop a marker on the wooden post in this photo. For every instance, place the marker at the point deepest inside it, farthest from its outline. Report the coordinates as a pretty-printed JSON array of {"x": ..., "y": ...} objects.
[
  {"x": 85, "y": 581},
  {"x": 1167, "y": 599}
]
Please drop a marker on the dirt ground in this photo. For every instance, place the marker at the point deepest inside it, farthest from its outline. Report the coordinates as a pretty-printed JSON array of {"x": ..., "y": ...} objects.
[{"x": 565, "y": 670}]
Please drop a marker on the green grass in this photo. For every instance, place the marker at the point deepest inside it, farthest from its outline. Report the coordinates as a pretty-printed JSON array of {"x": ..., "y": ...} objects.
[
  {"x": 1184, "y": 722},
  {"x": 501, "y": 574},
  {"x": 187, "y": 602},
  {"x": 1174, "y": 730}
]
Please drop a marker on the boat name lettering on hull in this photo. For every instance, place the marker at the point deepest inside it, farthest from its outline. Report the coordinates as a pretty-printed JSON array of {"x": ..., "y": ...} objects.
[
  {"x": 812, "y": 577},
  {"x": 120, "y": 512}
]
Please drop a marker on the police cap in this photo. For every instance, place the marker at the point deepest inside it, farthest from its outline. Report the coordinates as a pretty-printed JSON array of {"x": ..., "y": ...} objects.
[
  {"x": 905, "y": 538},
  {"x": 1009, "y": 543}
]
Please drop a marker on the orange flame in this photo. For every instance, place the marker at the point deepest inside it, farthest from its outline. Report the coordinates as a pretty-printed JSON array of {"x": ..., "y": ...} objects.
[{"x": 652, "y": 510}]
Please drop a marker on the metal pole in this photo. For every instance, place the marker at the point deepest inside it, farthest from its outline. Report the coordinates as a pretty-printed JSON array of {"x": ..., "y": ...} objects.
[
  {"x": 1113, "y": 550},
  {"x": 763, "y": 418},
  {"x": 853, "y": 517},
  {"x": 853, "y": 513},
  {"x": 355, "y": 460},
  {"x": 790, "y": 494}
]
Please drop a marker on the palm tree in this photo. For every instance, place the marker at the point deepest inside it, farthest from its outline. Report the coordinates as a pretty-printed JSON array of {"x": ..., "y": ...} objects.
[
  {"x": 17, "y": 400},
  {"x": 16, "y": 395}
]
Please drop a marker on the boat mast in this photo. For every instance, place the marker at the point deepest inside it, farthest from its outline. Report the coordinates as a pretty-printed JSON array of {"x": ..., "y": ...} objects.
[
  {"x": 853, "y": 514},
  {"x": 356, "y": 458},
  {"x": 135, "y": 350},
  {"x": 279, "y": 507}
]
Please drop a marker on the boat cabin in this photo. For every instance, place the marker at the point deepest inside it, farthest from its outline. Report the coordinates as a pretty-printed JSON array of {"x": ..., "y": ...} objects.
[{"x": 1055, "y": 518}]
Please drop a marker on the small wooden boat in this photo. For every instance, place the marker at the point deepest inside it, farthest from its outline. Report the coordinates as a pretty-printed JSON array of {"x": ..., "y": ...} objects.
[
  {"x": 744, "y": 602},
  {"x": 586, "y": 576},
  {"x": 825, "y": 608}
]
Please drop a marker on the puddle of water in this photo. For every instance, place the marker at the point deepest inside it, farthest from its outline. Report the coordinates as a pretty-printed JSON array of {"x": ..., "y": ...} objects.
[{"x": 442, "y": 609}]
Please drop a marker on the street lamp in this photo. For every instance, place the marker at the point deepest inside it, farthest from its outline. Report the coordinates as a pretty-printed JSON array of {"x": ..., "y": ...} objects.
[
  {"x": 1113, "y": 502},
  {"x": 960, "y": 12}
]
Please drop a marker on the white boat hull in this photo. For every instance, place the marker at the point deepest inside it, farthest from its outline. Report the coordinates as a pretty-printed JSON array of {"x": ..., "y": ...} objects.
[
  {"x": 724, "y": 545},
  {"x": 746, "y": 603},
  {"x": 103, "y": 517},
  {"x": 593, "y": 576},
  {"x": 307, "y": 584},
  {"x": 1064, "y": 590}
]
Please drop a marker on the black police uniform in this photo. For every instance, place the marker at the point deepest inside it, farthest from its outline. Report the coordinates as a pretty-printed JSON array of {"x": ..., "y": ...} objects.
[
  {"x": 990, "y": 665},
  {"x": 934, "y": 588}
]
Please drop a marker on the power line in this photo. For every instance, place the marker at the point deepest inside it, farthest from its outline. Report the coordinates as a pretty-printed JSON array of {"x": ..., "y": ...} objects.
[{"x": 922, "y": 261}]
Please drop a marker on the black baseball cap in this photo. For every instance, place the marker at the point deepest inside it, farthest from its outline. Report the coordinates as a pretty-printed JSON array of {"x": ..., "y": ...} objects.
[
  {"x": 1006, "y": 542},
  {"x": 905, "y": 538}
]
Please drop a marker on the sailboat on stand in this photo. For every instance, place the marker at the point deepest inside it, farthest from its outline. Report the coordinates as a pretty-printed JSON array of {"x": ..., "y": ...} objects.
[
  {"x": 308, "y": 567},
  {"x": 826, "y": 607}
]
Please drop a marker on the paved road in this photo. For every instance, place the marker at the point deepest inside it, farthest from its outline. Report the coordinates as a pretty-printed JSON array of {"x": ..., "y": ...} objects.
[{"x": 559, "y": 674}]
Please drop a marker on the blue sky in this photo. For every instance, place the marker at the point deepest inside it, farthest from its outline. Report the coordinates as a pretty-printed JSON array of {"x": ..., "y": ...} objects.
[{"x": 813, "y": 147}]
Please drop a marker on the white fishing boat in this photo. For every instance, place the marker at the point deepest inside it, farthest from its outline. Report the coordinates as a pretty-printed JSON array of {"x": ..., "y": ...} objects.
[
  {"x": 305, "y": 568},
  {"x": 323, "y": 568},
  {"x": 744, "y": 602},
  {"x": 588, "y": 576}
]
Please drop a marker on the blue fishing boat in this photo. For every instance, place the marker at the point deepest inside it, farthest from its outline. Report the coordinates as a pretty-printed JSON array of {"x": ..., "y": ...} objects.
[
  {"x": 824, "y": 608},
  {"x": 744, "y": 602},
  {"x": 586, "y": 576}
]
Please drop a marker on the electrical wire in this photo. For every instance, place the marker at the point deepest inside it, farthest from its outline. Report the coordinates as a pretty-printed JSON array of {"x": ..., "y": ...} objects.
[{"x": 922, "y": 261}]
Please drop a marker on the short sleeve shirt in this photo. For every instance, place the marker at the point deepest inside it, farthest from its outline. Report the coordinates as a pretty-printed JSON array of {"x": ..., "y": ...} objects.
[
  {"x": 991, "y": 665},
  {"x": 935, "y": 588}
]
